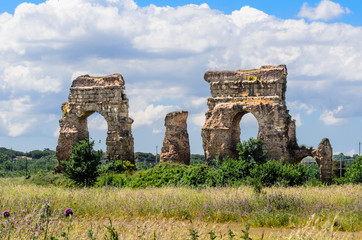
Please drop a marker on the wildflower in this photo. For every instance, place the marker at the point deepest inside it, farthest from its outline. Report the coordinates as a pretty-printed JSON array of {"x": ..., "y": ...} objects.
[
  {"x": 6, "y": 214},
  {"x": 68, "y": 212}
]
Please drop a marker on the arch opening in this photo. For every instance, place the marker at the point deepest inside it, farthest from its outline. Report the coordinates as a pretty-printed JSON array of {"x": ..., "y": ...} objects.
[
  {"x": 244, "y": 126},
  {"x": 96, "y": 127},
  {"x": 249, "y": 127}
]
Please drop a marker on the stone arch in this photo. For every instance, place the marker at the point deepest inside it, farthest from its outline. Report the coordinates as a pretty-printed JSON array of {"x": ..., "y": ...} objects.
[
  {"x": 262, "y": 93},
  {"x": 104, "y": 95}
]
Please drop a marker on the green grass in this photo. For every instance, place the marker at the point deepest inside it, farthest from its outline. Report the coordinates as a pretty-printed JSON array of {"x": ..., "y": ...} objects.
[{"x": 338, "y": 207}]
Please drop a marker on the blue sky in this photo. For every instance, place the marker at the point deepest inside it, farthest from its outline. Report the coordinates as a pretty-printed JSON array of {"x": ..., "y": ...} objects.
[
  {"x": 162, "y": 49},
  {"x": 282, "y": 9}
]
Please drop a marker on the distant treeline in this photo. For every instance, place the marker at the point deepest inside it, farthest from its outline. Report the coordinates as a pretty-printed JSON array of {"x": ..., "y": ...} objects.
[
  {"x": 6, "y": 153},
  {"x": 45, "y": 160},
  {"x": 13, "y": 162},
  {"x": 147, "y": 160}
]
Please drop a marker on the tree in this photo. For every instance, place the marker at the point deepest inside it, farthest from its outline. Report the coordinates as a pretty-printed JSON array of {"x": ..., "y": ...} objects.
[
  {"x": 354, "y": 172},
  {"x": 252, "y": 151},
  {"x": 4, "y": 158},
  {"x": 82, "y": 166}
]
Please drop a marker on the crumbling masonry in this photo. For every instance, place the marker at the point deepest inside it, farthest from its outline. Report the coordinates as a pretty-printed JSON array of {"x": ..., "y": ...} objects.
[
  {"x": 104, "y": 95},
  {"x": 176, "y": 146},
  {"x": 260, "y": 92}
]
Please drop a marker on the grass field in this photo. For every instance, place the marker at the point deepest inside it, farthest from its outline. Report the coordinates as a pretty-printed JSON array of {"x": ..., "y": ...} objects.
[{"x": 333, "y": 212}]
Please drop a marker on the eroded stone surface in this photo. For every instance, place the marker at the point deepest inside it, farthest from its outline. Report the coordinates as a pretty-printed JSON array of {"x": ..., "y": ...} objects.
[
  {"x": 176, "y": 146},
  {"x": 104, "y": 95},
  {"x": 323, "y": 155},
  {"x": 260, "y": 92}
]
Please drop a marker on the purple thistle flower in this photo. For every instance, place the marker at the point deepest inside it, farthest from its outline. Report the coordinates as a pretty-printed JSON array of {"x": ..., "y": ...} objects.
[
  {"x": 6, "y": 214},
  {"x": 68, "y": 212}
]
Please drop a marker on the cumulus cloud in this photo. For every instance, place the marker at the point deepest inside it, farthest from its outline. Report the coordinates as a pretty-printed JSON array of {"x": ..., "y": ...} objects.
[
  {"x": 163, "y": 53},
  {"x": 23, "y": 78},
  {"x": 147, "y": 116},
  {"x": 144, "y": 93},
  {"x": 198, "y": 119},
  {"x": 196, "y": 103},
  {"x": 15, "y": 116},
  {"x": 97, "y": 122},
  {"x": 325, "y": 10},
  {"x": 248, "y": 120},
  {"x": 309, "y": 109},
  {"x": 328, "y": 117}
]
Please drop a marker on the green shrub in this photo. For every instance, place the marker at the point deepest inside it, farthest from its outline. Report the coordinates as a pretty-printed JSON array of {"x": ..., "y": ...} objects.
[
  {"x": 82, "y": 166},
  {"x": 273, "y": 172},
  {"x": 354, "y": 172},
  {"x": 312, "y": 171},
  {"x": 163, "y": 174},
  {"x": 143, "y": 166},
  {"x": 229, "y": 172},
  {"x": 117, "y": 166},
  {"x": 195, "y": 176},
  {"x": 252, "y": 151}
]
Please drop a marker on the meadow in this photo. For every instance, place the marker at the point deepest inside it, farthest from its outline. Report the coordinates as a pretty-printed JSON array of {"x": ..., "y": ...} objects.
[{"x": 301, "y": 212}]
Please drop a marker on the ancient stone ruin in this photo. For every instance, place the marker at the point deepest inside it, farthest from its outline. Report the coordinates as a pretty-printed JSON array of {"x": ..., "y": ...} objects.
[
  {"x": 104, "y": 95},
  {"x": 260, "y": 92},
  {"x": 323, "y": 155},
  {"x": 176, "y": 146}
]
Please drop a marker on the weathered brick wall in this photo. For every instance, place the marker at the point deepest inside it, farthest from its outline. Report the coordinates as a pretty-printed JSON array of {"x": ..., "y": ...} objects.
[
  {"x": 176, "y": 146},
  {"x": 260, "y": 92},
  {"x": 104, "y": 95}
]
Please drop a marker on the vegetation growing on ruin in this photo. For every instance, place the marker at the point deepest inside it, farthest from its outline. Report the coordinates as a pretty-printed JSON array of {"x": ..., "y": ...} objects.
[{"x": 252, "y": 78}]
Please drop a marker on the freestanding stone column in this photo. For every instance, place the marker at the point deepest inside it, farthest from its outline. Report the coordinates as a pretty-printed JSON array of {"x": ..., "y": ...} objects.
[
  {"x": 104, "y": 95},
  {"x": 323, "y": 156},
  {"x": 176, "y": 146}
]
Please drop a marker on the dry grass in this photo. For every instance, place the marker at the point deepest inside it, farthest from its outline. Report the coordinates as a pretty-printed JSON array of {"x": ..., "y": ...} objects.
[{"x": 169, "y": 213}]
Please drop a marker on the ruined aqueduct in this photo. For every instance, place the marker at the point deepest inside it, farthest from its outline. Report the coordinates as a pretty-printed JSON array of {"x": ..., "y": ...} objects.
[
  {"x": 260, "y": 92},
  {"x": 104, "y": 95}
]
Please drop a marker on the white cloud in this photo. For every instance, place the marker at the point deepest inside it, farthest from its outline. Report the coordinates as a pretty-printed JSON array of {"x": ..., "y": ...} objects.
[
  {"x": 97, "y": 122},
  {"x": 326, "y": 10},
  {"x": 248, "y": 120},
  {"x": 248, "y": 15},
  {"x": 298, "y": 120},
  {"x": 23, "y": 78},
  {"x": 56, "y": 132},
  {"x": 156, "y": 131},
  {"x": 309, "y": 109},
  {"x": 142, "y": 94},
  {"x": 328, "y": 117},
  {"x": 163, "y": 53},
  {"x": 199, "y": 102},
  {"x": 195, "y": 102},
  {"x": 198, "y": 119},
  {"x": 151, "y": 114},
  {"x": 15, "y": 116},
  {"x": 351, "y": 152}
]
